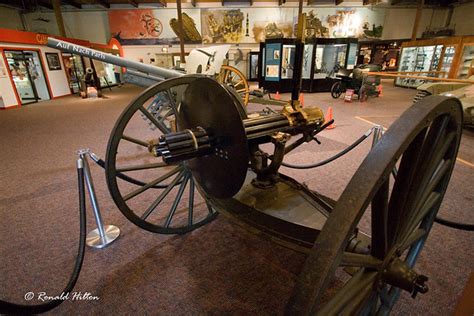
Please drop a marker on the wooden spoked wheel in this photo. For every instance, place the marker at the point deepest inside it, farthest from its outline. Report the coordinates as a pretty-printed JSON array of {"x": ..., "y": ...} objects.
[
  {"x": 158, "y": 197},
  {"x": 423, "y": 143},
  {"x": 235, "y": 79}
]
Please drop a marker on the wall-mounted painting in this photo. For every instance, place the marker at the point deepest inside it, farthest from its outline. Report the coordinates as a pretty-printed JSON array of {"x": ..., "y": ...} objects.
[
  {"x": 350, "y": 22},
  {"x": 240, "y": 25},
  {"x": 222, "y": 26},
  {"x": 153, "y": 27},
  {"x": 53, "y": 61}
]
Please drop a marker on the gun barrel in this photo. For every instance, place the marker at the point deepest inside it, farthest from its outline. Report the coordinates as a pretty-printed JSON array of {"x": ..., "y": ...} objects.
[{"x": 111, "y": 59}]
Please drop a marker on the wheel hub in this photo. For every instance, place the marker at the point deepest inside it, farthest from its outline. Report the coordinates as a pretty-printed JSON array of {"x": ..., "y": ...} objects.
[{"x": 396, "y": 272}]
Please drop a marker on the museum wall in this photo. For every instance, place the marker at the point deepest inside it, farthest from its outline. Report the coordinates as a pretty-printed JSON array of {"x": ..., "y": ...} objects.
[
  {"x": 10, "y": 19},
  {"x": 95, "y": 25},
  {"x": 57, "y": 79},
  {"x": 398, "y": 22},
  {"x": 87, "y": 25},
  {"x": 463, "y": 19}
]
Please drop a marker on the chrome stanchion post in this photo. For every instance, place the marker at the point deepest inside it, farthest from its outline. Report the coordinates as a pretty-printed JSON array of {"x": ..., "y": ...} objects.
[
  {"x": 378, "y": 131},
  {"x": 102, "y": 235}
]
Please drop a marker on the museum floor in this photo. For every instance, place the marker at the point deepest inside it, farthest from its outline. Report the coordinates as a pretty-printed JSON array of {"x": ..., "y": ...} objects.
[{"x": 218, "y": 269}]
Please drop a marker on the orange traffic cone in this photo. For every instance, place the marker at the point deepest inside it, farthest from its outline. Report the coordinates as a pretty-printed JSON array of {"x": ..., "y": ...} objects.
[
  {"x": 277, "y": 96},
  {"x": 380, "y": 90},
  {"x": 301, "y": 99},
  {"x": 328, "y": 118}
]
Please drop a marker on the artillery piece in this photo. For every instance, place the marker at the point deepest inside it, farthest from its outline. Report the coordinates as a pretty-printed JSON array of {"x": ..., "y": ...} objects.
[{"x": 207, "y": 155}]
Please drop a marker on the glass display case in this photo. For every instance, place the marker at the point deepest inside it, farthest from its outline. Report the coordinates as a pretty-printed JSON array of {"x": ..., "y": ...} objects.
[
  {"x": 418, "y": 59},
  {"x": 384, "y": 53},
  {"x": 75, "y": 71},
  {"x": 432, "y": 57},
  {"x": 466, "y": 63},
  {"x": 277, "y": 64},
  {"x": 253, "y": 66},
  {"x": 27, "y": 73},
  {"x": 322, "y": 59},
  {"x": 288, "y": 61}
]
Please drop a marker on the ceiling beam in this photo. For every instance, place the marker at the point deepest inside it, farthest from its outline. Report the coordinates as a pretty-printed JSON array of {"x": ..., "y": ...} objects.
[
  {"x": 133, "y": 3},
  {"x": 12, "y": 3},
  {"x": 316, "y": 2},
  {"x": 104, "y": 3},
  {"x": 162, "y": 2},
  {"x": 73, "y": 3},
  {"x": 395, "y": 2},
  {"x": 370, "y": 2}
]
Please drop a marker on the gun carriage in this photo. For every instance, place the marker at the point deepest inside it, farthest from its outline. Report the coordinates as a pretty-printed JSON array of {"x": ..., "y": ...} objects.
[{"x": 206, "y": 155}]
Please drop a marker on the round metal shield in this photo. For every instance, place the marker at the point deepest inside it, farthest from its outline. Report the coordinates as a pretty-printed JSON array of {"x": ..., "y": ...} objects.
[{"x": 208, "y": 104}]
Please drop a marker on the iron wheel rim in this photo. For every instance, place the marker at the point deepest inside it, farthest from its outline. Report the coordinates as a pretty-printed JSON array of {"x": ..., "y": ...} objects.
[
  {"x": 329, "y": 250},
  {"x": 182, "y": 180}
]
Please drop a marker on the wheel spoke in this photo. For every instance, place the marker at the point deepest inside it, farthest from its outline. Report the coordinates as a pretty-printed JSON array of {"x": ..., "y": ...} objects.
[
  {"x": 362, "y": 281},
  {"x": 191, "y": 201},
  {"x": 403, "y": 185},
  {"x": 164, "y": 112},
  {"x": 152, "y": 183},
  {"x": 142, "y": 167},
  {"x": 155, "y": 122},
  {"x": 428, "y": 198},
  {"x": 380, "y": 221},
  {"x": 171, "y": 98},
  {"x": 226, "y": 75},
  {"x": 412, "y": 238},
  {"x": 350, "y": 259},
  {"x": 431, "y": 170},
  {"x": 135, "y": 140},
  {"x": 161, "y": 197},
  {"x": 357, "y": 303},
  {"x": 209, "y": 207},
  {"x": 418, "y": 216},
  {"x": 177, "y": 200}
]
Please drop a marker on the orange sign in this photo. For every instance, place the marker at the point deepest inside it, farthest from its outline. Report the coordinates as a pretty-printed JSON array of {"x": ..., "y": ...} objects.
[
  {"x": 42, "y": 38},
  {"x": 14, "y": 36}
]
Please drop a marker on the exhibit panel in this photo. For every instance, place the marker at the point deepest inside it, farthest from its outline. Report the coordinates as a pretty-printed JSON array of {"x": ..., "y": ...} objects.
[
  {"x": 278, "y": 62},
  {"x": 329, "y": 56}
]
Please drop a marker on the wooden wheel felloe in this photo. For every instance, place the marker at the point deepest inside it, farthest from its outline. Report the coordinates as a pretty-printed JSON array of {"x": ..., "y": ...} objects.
[
  {"x": 235, "y": 79},
  {"x": 423, "y": 142},
  {"x": 155, "y": 196}
]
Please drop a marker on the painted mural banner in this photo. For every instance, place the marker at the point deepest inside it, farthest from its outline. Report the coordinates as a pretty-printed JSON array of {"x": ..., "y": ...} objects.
[
  {"x": 347, "y": 22},
  {"x": 153, "y": 27},
  {"x": 241, "y": 25},
  {"x": 246, "y": 25}
]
